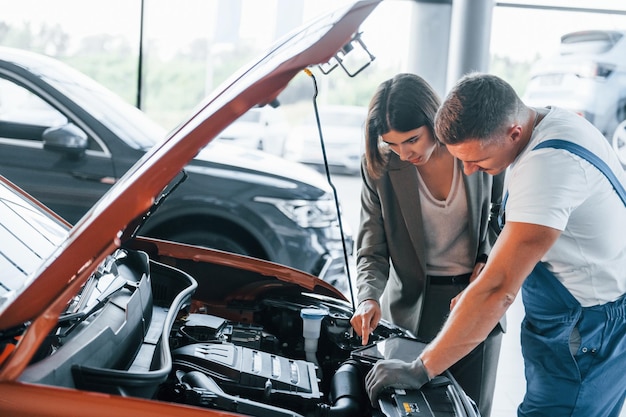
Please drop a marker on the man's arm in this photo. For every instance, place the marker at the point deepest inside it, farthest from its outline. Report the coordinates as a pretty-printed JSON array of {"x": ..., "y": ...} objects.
[{"x": 516, "y": 252}]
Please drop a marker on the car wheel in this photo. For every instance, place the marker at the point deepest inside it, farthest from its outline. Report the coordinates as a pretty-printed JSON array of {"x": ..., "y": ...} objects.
[
  {"x": 619, "y": 142},
  {"x": 211, "y": 240}
]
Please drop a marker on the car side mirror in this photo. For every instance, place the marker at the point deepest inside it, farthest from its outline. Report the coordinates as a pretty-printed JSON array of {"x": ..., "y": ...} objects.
[{"x": 68, "y": 139}]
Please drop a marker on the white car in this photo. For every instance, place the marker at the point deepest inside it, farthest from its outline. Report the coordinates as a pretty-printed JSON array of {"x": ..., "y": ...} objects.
[
  {"x": 263, "y": 128},
  {"x": 343, "y": 130},
  {"x": 587, "y": 76}
]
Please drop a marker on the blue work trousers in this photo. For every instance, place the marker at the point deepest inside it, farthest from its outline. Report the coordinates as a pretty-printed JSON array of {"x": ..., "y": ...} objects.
[{"x": 591, "y": 380}]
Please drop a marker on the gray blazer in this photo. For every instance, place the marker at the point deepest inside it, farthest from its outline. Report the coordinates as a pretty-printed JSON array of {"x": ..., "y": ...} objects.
[{"x": 391, "y": 264}]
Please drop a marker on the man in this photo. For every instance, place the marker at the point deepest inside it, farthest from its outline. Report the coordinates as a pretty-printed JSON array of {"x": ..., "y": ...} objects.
[{"x": 563, "y": 243}]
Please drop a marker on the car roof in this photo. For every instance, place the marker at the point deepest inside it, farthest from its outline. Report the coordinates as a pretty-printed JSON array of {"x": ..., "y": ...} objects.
[{"x": 112, "y": 219}]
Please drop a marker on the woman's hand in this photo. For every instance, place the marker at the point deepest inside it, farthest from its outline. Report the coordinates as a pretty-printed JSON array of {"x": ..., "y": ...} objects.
[
  {"x": 477, "y": 269},
  {"x": 365, "y": 319}
]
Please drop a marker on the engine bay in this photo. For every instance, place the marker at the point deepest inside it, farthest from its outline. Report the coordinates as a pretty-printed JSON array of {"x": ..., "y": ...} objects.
[
  {"x": 149, "y": 329},
  {"x": 264, "y": 367}
]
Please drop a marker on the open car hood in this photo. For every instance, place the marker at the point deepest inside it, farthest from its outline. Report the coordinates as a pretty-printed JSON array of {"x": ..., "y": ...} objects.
[{"x": 111, "y": 220}]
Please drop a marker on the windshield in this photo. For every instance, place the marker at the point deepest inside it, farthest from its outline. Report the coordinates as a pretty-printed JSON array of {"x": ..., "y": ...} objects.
[{"x": 28, "y": 236}]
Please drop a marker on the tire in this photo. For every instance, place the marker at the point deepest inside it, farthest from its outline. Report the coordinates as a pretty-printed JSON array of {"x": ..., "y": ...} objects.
[
  {"x": 211, "y": 240},
  {"x": 619, "y": 142}
]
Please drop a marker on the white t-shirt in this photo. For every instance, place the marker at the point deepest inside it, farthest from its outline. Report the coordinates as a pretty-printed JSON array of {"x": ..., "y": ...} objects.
[
  {"x": 555, "y": 188},
  {"x": 446, "y": 229}
]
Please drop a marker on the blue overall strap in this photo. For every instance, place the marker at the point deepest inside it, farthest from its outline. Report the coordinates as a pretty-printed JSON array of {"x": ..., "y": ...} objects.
[
  {"x": 589, "y": 156},
  {"x": 501, "y": 219}
]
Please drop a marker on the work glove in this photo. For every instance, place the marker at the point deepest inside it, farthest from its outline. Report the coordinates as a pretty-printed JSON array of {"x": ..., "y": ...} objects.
[{"x": 394, "y": 373}]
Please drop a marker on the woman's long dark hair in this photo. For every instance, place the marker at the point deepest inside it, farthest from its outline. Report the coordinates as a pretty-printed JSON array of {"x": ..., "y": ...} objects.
[{"x": 402, "y": 103}]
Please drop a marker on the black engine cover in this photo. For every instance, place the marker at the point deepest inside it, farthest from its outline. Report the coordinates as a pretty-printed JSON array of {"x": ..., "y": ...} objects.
[{"x": 240, "y": 369}]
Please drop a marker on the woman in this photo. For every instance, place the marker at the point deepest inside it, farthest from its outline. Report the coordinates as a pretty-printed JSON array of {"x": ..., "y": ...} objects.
[{"x": 424, "y": 231}]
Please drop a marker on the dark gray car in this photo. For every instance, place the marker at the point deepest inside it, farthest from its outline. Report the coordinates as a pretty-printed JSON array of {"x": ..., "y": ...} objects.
[{"x": 66, "y": 139}]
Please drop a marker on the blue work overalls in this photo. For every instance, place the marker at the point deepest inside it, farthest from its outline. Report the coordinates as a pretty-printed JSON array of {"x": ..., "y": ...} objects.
[{"x": 591, "y": 382}]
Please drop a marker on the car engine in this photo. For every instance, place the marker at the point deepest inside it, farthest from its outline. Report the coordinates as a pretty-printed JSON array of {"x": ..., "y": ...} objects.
[{"x": 150, "y": 329}]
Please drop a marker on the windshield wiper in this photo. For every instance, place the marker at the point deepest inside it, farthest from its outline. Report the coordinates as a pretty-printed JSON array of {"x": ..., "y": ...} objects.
[
  {"x": 117, "y": 284},
  {"x": 9, "y": 335}
]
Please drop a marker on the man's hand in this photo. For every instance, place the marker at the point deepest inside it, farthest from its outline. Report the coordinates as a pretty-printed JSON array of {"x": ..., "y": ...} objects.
[
  {"x": 365, "y": 319},
  {"x": 394, "y": 373}
]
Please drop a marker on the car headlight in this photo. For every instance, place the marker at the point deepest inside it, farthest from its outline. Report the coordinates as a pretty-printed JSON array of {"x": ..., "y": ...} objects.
[{"x": 319, "y": 213}]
